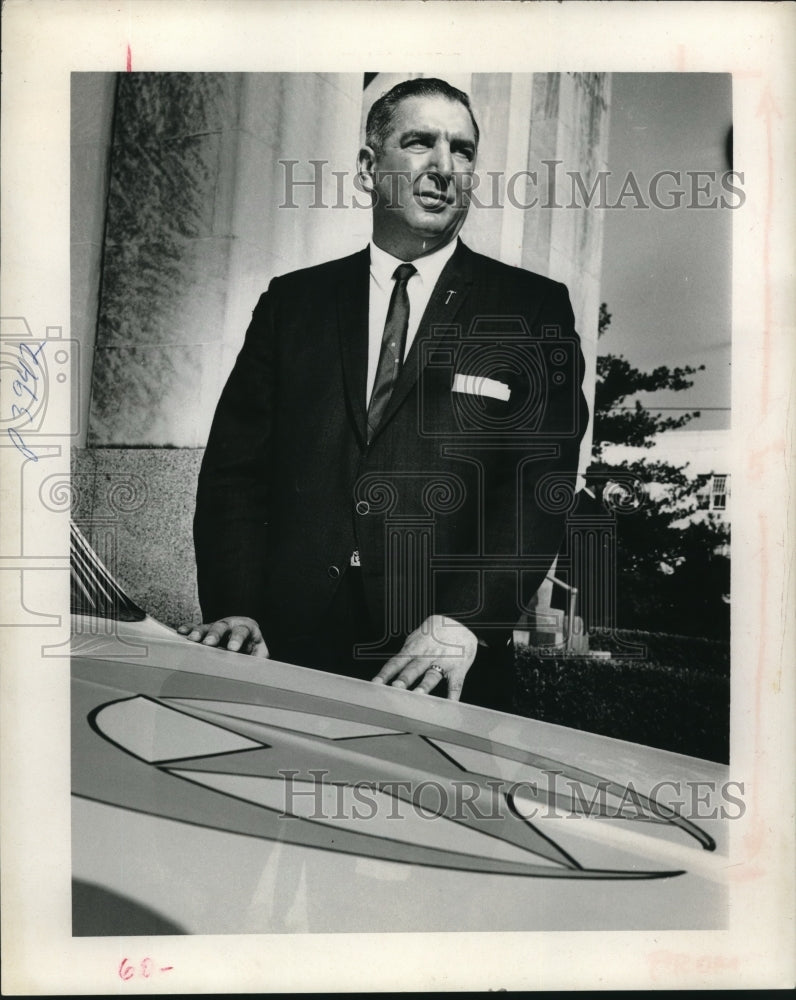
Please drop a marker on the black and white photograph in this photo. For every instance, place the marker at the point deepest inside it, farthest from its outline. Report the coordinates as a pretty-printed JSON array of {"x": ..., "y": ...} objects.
[{"x": 409, "y": 428}]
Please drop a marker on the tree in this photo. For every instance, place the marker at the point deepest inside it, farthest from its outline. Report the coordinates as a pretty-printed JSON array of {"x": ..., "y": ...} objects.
[
  {"x": 617, "y": 379},
  {"x": 671, "y": 576}
]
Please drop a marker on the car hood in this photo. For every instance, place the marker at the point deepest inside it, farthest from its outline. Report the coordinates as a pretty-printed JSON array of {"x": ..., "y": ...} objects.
[{"x": 253, "y": 754}]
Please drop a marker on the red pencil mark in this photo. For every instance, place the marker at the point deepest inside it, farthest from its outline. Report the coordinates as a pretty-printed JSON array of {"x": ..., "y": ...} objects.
[
  {"x": 759, "y": 457},
  {"x": 768, "y": 109},
  {"x": 146, "y": 968},
  {"x": 667, "y": 964},
  {"x": 129, "y": 60},
  {"x": 755, "y": 838},
  {"x": 742, "y": 872}
]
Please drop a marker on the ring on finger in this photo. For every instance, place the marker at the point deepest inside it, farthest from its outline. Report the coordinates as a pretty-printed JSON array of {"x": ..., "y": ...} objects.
[{"x": 434, "y": 666}]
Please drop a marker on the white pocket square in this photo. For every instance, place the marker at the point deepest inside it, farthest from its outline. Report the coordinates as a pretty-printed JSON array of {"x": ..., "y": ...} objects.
[{"x": 480, "y": 385}]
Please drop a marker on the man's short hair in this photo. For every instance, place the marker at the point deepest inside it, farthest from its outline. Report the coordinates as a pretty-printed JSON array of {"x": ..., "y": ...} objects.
[{"x": 381, "y": 114}]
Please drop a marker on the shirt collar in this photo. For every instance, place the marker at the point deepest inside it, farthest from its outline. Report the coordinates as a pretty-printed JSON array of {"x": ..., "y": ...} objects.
[{"x": 429, "y": 268}]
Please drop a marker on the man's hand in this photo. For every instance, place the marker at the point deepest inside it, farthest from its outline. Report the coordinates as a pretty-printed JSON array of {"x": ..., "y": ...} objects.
[
  {"x": 440, "y": 647},
  {"x": 237, "y": 633}
]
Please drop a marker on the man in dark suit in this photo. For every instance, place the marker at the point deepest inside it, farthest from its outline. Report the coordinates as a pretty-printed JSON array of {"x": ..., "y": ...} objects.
[{"x": 382, "y": 486}]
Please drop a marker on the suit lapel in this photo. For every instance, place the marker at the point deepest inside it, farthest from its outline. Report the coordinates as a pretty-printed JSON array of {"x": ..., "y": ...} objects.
[
  {"x": 446, "y": 300},
  {"x": 353, "y": 295}
]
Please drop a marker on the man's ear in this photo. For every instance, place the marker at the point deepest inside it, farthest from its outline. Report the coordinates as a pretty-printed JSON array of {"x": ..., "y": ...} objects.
[{"x": 366, "y": 166}]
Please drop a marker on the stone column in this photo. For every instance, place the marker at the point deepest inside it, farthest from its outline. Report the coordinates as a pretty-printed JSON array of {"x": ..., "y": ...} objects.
[
  {"x": 166, "y": 258},
  {"x": 286, "y": 121},
  {"x": 569, "y": 124},
  {"x": 195, "y": 230},
  {"x": 92, "y": 101}
]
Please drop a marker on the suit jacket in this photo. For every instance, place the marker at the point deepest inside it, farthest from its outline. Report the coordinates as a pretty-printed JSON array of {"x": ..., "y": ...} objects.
[{"x": 456, "y": 506}]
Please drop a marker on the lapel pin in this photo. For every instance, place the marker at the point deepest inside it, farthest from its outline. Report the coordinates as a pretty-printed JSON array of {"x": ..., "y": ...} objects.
[{"x": 451, "y": 293}]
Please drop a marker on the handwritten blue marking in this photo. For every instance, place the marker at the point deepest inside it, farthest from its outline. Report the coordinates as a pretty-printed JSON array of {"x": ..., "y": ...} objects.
[{"x": 29, "y": 366}]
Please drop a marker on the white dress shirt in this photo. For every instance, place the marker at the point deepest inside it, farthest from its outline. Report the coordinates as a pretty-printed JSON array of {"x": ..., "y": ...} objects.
[{"x": 418, "y": 288}]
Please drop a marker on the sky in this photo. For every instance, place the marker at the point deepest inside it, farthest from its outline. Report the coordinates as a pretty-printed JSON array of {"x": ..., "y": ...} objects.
[{"x": 667, "y": 273}]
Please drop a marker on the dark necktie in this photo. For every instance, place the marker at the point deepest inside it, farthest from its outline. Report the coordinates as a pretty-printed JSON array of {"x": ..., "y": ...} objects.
[{"x": 392, "y": 347}]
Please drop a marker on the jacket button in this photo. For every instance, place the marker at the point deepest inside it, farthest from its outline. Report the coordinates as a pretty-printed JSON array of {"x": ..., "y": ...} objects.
[
  {"x": 363, "y": 507},
  {"x": 333, "y": 572}
]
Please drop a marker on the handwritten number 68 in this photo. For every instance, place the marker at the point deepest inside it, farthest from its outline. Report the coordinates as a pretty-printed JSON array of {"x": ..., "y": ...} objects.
[{"x": 147, "y": 967}]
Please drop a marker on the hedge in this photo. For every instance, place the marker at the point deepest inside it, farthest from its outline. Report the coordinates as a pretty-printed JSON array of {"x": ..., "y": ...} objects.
[{"x": 677, "y": 697}]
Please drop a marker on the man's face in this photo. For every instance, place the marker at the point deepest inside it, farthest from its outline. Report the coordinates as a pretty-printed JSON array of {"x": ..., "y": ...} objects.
[{"x": 423, "y": 175}]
